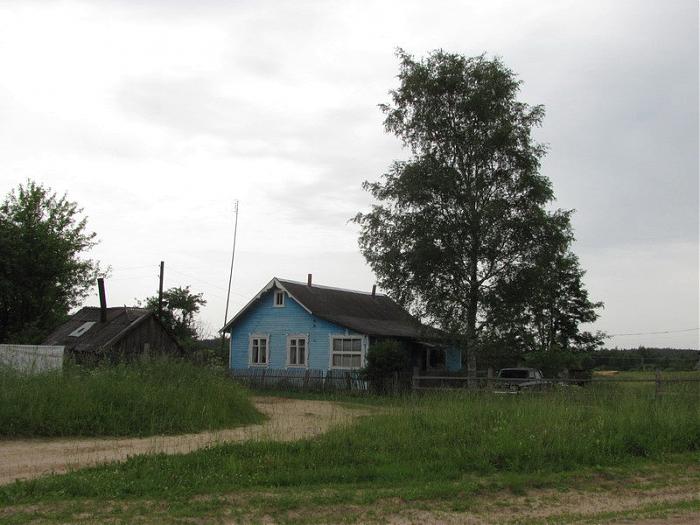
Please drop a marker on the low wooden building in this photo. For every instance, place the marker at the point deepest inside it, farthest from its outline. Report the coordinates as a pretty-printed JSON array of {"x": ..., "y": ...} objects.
[{"x": 99, "y": 334}]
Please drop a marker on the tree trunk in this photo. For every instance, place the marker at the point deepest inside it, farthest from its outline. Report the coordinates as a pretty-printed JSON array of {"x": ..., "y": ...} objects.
[{"x": 471, "y": 321}]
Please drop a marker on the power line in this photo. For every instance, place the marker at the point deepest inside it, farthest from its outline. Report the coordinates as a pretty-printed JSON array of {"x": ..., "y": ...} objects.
[
  {"x": 220, "y": 288},
  {"x": 656, "y": 333}
]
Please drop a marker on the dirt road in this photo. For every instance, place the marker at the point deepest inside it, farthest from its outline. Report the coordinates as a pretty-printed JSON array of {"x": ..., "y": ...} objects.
[{"x": 289, "y": 419}]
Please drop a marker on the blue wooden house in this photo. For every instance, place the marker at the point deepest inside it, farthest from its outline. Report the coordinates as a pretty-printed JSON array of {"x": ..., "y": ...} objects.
[{"x": 295, "y": 325}]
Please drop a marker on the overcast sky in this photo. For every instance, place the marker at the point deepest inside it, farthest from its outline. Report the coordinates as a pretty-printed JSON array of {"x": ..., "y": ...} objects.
[{"x": 155, "y": 116}]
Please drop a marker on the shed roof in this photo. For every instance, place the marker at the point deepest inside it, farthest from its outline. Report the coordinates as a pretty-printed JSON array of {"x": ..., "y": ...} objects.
[
  {"x": 362, "y": 312},
  {"x": 120, "y": 321}
]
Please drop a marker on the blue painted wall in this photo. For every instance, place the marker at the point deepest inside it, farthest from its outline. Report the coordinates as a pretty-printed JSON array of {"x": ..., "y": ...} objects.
[
  {"x": 453, "y": 359},
  {"x": 279, "y": 322}
]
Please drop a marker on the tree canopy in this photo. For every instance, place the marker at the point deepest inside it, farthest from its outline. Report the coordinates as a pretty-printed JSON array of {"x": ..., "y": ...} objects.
[
  {"x": 43, "y": 270},
  {"x": 180, "y": 306},
  {"x": 458, "y": 226}
]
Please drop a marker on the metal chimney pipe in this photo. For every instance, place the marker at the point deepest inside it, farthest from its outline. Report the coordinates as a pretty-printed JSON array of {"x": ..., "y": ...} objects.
[
  {"x": 374, "y": 290},
  {"x": 308, "y": 280},
  {"x": 103, "y": 300}
]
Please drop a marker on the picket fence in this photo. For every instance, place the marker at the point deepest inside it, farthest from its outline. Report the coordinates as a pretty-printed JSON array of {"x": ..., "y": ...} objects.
[{"x": 300, "y": 379}]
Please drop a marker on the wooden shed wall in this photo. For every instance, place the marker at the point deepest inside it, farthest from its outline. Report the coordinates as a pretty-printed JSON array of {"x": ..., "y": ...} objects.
[{"x": 150, "y": 333}]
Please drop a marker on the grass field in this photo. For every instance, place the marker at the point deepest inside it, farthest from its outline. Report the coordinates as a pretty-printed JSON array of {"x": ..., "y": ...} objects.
[
  {"x": 438, "y": 447},
  {"x": 446, "y": 451},
  {"x": 146, "y": 398}
]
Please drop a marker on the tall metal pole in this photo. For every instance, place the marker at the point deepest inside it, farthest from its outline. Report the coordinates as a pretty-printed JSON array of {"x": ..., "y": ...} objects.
[{"x": 230, "y": 276}]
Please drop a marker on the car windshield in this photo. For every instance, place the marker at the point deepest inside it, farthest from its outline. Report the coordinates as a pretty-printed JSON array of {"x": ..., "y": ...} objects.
[{"x": 514, "y": 373}]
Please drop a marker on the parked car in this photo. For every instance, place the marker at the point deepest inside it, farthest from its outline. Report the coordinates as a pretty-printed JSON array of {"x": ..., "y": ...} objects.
[{"x": 516, "y": 380}]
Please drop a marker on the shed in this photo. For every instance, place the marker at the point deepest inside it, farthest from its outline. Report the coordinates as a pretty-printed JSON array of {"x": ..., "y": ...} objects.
[{"x": 95, "y": 334}]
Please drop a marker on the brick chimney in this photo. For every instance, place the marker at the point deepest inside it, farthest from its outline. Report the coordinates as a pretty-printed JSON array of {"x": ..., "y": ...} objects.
[
  {"x": 374, "y": 290},
  {"x": 309, "y": 280}
]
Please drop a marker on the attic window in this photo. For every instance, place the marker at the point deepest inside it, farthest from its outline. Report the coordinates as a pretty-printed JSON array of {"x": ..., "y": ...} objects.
[
  {"x": 82, "y": 329},
  {"x": 279, "y": 299}
]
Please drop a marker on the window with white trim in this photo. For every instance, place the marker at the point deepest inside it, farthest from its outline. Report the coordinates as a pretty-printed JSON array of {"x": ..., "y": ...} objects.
[
  {"x": 346, "y": 352},
  {"x": 279, "y": 299},
  {"x": 259, "y": 350},
  {"x": 297, "y": 350}
]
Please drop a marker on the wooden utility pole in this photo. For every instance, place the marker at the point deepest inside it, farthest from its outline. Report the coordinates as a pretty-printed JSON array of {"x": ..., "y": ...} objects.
[
  {"x": 160, "y": 291},
  {"x": 230, "y": 275}
]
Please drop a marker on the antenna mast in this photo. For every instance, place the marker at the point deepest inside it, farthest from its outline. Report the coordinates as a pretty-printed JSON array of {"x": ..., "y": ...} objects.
[{"x": 230, "y": 277}]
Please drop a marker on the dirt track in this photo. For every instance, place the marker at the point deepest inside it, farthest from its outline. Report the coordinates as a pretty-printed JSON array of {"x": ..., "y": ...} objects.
[{"x": 289, "y": 419}]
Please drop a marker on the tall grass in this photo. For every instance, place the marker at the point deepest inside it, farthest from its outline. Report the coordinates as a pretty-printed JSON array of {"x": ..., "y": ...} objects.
[
  {"x": 139, "y": 399},
  {"x": 433, "y": 439}
]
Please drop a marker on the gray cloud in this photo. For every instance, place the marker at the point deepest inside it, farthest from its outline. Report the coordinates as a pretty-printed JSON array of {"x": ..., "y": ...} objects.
[{"x": 283, "y": 114}]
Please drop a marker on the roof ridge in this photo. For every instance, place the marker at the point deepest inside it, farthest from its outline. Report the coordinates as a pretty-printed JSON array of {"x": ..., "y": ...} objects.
[{"x": 336, "y": 288}]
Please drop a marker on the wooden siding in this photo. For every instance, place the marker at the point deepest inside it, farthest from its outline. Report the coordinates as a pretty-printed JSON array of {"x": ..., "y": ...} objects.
[
  {"x": 132, "y": 345},
  {"x": 149, "y": 332},
  {"x": 279, "y": 322}
]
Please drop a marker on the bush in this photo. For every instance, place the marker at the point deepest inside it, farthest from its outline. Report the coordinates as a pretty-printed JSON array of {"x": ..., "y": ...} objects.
[
  {"x": 387, "y": 363},
  {"x": 162, "y": 396}
]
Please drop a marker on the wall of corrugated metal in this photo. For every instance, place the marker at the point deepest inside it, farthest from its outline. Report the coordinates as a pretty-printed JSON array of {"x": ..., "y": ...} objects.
[{"x": 32, "y": 358}]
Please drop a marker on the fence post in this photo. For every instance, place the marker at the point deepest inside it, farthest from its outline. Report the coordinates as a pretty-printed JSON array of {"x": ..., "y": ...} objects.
[
  {"x": 306, "y": 378},
  {"x": 657, "y": 391},
  {"x": 348, "y": 383},
  {"x": 489, "y": 377},
  {"x": 414, "y": 379}
]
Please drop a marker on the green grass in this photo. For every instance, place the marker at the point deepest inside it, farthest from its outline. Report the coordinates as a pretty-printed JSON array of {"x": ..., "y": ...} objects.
[
  {"x": 428, "y": 441},
  {"x": 145, "y": 398}
]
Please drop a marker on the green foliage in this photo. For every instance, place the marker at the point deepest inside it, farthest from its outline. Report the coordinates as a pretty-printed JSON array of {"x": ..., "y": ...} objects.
[
  {"x": 553, "y": 361},
  {"x": 540, "y": 307},
  {"x": 456, "y": 233},
  {"x": 644, "y": 358},
  {"x": 428, "y": 439},
  {"x": 43, "y": 273},
  {"x": 150, "y": 397},
  {"x": 386, "y": 362},
  {"x": 180, "y": 306}
]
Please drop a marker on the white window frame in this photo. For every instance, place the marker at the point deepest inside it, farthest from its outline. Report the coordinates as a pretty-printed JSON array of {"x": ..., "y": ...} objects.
[
  {"x": 266, "y": 338},
  {"x": 346, "y": 336},
  {"x": 278, "y": 293},
  {"x": 305, "y": 338}
]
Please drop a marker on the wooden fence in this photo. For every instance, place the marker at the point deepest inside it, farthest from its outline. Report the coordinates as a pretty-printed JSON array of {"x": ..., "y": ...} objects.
[
  {"x": 662, "y": 385},
  {"x": 300, "y": 379}
]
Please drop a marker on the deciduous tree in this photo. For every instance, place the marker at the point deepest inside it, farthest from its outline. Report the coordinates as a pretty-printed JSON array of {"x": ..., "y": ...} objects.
[
  {"x": 180, "y": 306},
  {"x": 43, "y": 269},
  {"x": 465, "y": 212}
]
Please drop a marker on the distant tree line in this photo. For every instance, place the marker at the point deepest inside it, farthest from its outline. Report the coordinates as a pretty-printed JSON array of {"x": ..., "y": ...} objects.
[{"x": 644, "y": 358}]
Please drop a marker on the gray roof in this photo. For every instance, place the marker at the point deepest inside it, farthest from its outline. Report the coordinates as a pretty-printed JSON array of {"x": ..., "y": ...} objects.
[
  {"x": 376, "y": 315},
  {"x": 120, "y": 321}
]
